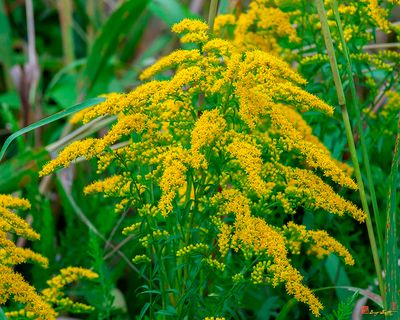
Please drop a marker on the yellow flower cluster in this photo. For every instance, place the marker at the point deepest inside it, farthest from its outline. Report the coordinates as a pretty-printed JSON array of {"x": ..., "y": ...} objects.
[
  {"x": 111, "y": 186},
  {"x": 238, "y": 277},
  {"x": 142, "y": 258},
  {"x": 175, "y": 59},
  {"x": 379, "y": 15},
  {"x": 249, "y": 158},
  {"x": 173, "y": 177},
  {"x": 392, "y": 106},
  {"x": 12, "y": 284},
  {"x": 223, "y": 125},
  {"x": 192, "y": 30},
  {"x": 132, "y": 228},
  {"x": 55, "y": 295},
  {"x": 215, "y": 264},
  {"x": 198, "y": 247},
  {"x": 308, "y": 189},
  {"x": 318, "y": 241},
  {"x": 208, "y": 127},
  {"x": 214, "y": 318},
  {"x": 316, "y": 158},
  {"x": 258, "y": 28},
  {"x": 257, "y": 275},
  {"x": 253, "y": 235},
  {"x": 87, "y": 148}
]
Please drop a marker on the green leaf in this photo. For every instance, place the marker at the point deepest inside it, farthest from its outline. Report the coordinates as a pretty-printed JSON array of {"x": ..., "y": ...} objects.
[
  {"x": 337, "y": 274},
  {"x": 144, "y": 310},
  {"x": 2, "y": 315},
  {"x": 43, "y": 122},
  {"x": 21, "y": 169},
  {"x": 170, "y": 11},
  {"x": 117, "y": 26},
  {"x": 391, "y": 235},
  {"x": 5, "y": 40}
]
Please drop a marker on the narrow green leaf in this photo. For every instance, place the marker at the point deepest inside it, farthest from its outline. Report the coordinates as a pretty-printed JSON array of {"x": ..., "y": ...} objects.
[
  {"x": 170, "y": 11},
  {"x": 337, "y": 274},
  {"x": 283, "y": 314},
  {"x": 391, "y": 236},
  {"x": 117, "y": 26},
  {"x": 6, "y": 45},
  {"x": 52, "y": 118},
  {"x": 2, "y": 315},
  {"x": 144, "y": 310}
]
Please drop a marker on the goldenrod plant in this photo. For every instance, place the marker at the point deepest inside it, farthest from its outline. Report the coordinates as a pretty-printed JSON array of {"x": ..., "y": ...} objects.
[
  {"x": 216, "y": 156},
  {"x": 37, "y": 305}
]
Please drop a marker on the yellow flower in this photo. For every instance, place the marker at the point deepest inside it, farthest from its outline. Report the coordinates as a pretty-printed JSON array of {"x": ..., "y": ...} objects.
[
  {"x": 249, "y": 158},
  {"x": 316, "y": 157},
  {"x": 193, "y": 30},
  {"x": 252, "y": 234},
  {"x": 87, "y": 148},
  {"x": 173, "y": 60},
  {"x": 309, "y": 189},
  {"x": 54, "y": 294},
  {"x": 318, "y": 241},
  {"x": 222, "y": 21},
  {"x": 187, "y": 250},
  {"x": 208, "y": 127},
  {"x": 12, "y": 284}
]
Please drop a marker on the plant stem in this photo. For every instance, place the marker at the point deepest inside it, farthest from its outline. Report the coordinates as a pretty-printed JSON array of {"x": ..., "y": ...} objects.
[
  {"x": 65, "y": 13},
  {"x": 356, "y": 111},
  {"x": 350, "y": 139},
  {"x": 211, "y": 14},
  {"x": 391, "y": 236}
]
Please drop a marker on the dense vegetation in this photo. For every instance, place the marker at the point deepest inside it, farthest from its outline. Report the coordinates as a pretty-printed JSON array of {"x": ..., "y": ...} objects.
[{"x": 221, "y": 160}]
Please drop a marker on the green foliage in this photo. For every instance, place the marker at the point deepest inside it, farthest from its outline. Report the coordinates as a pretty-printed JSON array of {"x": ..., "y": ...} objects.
[{"x": 344, "y": 309}]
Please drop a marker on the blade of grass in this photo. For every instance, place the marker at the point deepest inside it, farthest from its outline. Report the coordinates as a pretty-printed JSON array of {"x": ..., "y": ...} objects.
[
  {"x": 105, "y": 45},
  {"x": 65, "y": 13},
  {"x": 2, "y": 315},
  {"x": 284, "y": 313},
  {"x": 211, "y": 14},
  {"x": 356, "y": 111},
  {"x": 350, "y": 140},
  {"x": 6, "y": 45},
  {"x": 52, "y": 118},
  {"x": 391, "y": 236},
  {"x": 170, "y": 11}
]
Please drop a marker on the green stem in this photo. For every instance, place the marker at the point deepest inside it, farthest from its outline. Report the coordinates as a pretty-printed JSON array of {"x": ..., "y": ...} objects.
[
  {"x": 350, "y": 139},
  {"x": 391, "y": 237},
  {"x": 356, "y": 111},
  {"x": 65, "y": 13},
  {"x": 211, "y": 14}
]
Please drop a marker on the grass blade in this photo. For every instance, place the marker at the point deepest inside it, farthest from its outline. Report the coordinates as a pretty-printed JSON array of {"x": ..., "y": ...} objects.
[
  {"x": 391, "y": 235},
  {"x": 105, "y": 45},
  {"x": 170, "y": 11},
  {"x": 50, "y": 119},
  {"x": 6, "y": 45},
  {"x": 350, "y": 139},
  {"x": 356, "y": 111}
]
